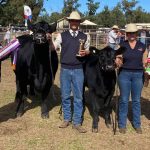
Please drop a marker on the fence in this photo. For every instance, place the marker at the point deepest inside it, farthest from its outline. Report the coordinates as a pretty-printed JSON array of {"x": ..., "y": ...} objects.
[{"x": 97, "y": 39}]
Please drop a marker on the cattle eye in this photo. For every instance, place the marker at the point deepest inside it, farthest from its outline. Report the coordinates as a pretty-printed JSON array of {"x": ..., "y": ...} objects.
[{"x": 94, "y": 51}]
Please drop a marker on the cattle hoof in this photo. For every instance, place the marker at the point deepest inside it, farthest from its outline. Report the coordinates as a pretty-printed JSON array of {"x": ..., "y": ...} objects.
[
  {"x": 95, "y": 130},
  {"x": 45, "y": 116},
  {"x": 19, "y": 114},
  {"x": 108, "y": 125}
]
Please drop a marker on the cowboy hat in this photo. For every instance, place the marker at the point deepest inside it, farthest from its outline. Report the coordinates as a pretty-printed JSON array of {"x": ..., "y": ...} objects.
[
  {"x": 131, "y": 28},
  {"x": 74, "y": 16},
  {"x": 115, "y": 27}
]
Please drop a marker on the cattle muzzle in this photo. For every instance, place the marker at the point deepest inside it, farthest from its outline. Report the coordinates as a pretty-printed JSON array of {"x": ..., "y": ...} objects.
[
  {"x": 39, "y": 38},
  {"x": 109, "y": 68}
]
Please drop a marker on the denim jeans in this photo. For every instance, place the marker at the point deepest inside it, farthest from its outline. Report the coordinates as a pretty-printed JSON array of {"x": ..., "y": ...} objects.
[
  {"x": 72, "y": 80},
  {"x": 113, "y": 46},
  {"x": 130, "y": 82}
]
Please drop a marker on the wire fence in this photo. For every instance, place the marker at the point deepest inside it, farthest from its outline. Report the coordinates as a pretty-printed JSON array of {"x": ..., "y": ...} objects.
[{"x": 97, "y": 39}]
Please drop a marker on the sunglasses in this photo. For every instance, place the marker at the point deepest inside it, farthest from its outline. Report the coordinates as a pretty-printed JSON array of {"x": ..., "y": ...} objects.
[
  {"x": 131, "y": 32},
  {"x": 73, "y": 20}
]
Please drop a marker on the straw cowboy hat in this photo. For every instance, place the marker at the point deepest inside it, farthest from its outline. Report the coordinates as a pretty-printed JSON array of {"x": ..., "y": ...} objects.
[
  {"x": 115, "y": 27},
  {"x": 131, "y": 28},
  {"x": 74, "y": 16}
]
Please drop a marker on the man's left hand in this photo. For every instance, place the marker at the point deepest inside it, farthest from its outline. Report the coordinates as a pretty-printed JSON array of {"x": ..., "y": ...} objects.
[{"x": 83, "y": 53}]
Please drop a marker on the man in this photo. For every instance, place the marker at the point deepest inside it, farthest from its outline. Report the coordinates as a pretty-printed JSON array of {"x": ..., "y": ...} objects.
[
  {"x": 113, "y": 37},
  {"x": 7, "y": 36},
  {"x": 71, "y": 75}
]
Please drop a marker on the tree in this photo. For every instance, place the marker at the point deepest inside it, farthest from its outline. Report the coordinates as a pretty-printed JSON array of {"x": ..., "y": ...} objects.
[
  {"x": 69, "y": 6},
  {"x": 92, "y": 7},
  {"x": 127, "y": 7},
  {"x": 117, "y": 16},
  {"x": 104, "y": 18}
]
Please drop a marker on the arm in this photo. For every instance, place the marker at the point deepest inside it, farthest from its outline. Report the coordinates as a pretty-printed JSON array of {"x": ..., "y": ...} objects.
[
  {"x": 55, "y": 44},
  {"x": 145, "y": 57},
  {"x": 119, "y": 61}
]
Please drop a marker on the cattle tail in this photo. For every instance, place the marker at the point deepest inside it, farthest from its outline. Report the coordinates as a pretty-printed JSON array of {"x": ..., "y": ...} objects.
[{"x": 116, "y": 103}]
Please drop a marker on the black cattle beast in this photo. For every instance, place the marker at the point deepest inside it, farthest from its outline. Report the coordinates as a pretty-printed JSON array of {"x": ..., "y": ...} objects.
[
  {"x": 36, "y": 66},
  {"x": 100, "y": 78}
]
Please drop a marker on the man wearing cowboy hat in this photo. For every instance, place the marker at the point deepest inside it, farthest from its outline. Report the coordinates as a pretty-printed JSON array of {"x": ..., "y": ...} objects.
[
  {"x": 113, "y": 37},
  {"x": 71, "y": 75}
]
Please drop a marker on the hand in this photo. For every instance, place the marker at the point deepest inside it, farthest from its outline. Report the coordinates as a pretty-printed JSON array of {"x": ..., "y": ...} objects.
[
  {"x": 119, "y": 61},
  {"x": 83, "y": 53},
  {"x": 48, "y": 36}
]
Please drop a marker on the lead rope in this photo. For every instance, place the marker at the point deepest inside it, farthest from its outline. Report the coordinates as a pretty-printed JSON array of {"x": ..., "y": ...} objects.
[
  {"x": 52, "y": 89},
  {"x": 51, "y": 68},
  {"x": 116, "y": 102}
]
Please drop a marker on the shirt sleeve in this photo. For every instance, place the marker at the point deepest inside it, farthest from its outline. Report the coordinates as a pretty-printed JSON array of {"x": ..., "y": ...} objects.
[
  {"x": 114, "y": 35},
  {"x": 57, "y": 42},
  {"x": 87, "y": 43}
]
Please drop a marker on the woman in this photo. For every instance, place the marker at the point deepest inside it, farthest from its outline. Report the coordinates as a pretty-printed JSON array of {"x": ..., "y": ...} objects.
[{"x": 130, "y": 78}]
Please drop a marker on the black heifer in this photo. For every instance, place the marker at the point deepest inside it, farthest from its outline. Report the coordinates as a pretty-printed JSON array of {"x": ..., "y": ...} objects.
[
  {"x": 36, "y": 66},
  {"x": 100, "y": 78}
]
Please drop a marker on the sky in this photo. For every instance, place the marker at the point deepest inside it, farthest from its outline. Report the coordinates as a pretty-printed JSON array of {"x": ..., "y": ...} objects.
[{"x": 57, "y": 5}]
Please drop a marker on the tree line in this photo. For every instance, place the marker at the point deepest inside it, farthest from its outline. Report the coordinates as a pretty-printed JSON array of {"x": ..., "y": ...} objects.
[{"x": 11, "y": 11}]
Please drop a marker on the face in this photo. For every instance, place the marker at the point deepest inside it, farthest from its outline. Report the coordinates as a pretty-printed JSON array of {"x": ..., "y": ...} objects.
[
  {"x": 131, "y": 36},
  {"x": 74, "y": 24},
  {"x": 106, "y": 60},
  {"x": 116, "y": 30}
]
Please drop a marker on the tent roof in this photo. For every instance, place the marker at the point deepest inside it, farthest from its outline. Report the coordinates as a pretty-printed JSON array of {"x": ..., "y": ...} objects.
[{"x": 89, "y": 23}]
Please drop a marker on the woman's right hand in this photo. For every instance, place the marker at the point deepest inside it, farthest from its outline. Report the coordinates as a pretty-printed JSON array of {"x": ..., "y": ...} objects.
[{"x": 119, "y": 61}]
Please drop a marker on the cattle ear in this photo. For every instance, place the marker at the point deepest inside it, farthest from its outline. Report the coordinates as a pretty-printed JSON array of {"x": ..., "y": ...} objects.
[
  {"x": 53, "y": 27},
  {"x": 93, "y": 50}
]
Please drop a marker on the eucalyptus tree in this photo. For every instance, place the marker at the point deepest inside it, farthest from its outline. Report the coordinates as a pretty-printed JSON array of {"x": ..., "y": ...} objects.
[
  {"x": 117, "y": 16},
  {"x": 92, "y": 7},
  {"x": 128, "y": 9},
  {"x": 69, "y": 6}
]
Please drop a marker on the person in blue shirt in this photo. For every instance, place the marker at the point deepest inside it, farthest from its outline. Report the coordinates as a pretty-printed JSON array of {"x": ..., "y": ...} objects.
[{"x": 130, "y": 78}]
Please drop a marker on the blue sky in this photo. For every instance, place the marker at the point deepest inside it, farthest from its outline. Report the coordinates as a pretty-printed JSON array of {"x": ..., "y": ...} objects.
[{"x": 57, "y": 5}]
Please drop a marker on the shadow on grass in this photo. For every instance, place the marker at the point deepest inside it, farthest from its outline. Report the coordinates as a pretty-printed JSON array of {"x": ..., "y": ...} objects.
[
  {"x": 8, "y": 111},
  {"x": 145, "y": 107}
]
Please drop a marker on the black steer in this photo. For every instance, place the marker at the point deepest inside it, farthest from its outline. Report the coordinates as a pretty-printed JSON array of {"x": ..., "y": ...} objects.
[
  {"x": 100, "y": 78},
  {"x": 36, "y": 66}
]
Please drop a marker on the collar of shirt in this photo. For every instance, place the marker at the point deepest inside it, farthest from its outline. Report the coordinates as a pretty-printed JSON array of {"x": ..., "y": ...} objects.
[{"x": 71, "y": 32}]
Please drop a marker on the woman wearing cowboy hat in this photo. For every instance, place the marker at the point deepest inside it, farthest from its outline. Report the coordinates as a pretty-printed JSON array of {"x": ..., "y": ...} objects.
[
  {"x": 71, "y": 75},
  {"x": 130, "y": 78}
]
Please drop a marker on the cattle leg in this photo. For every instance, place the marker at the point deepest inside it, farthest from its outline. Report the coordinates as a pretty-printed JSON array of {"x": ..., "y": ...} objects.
[
  {"x": 107, "y": 117},
  {"x": 95, "y": 120},
  {"x": 31, "y": 89},
  {"x": 44, "y": 106},
  {"x": 107, "y": 112},
  {"x": 20, "y": 105},
  {"x": 95, "y": 113}
]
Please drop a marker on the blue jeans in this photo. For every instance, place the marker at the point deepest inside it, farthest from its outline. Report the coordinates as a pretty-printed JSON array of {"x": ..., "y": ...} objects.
[
  {"x": 72, "y": 80},
  {"x": 130, "y": 82},
  {"x": 113, "y": 46}
]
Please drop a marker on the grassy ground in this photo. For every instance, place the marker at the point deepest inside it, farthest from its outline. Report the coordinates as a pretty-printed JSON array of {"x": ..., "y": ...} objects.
[{"x": 30, "y": 132}]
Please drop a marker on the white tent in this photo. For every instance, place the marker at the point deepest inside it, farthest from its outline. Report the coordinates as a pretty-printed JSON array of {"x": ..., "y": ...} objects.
[{"x": 88, "y": 23}]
